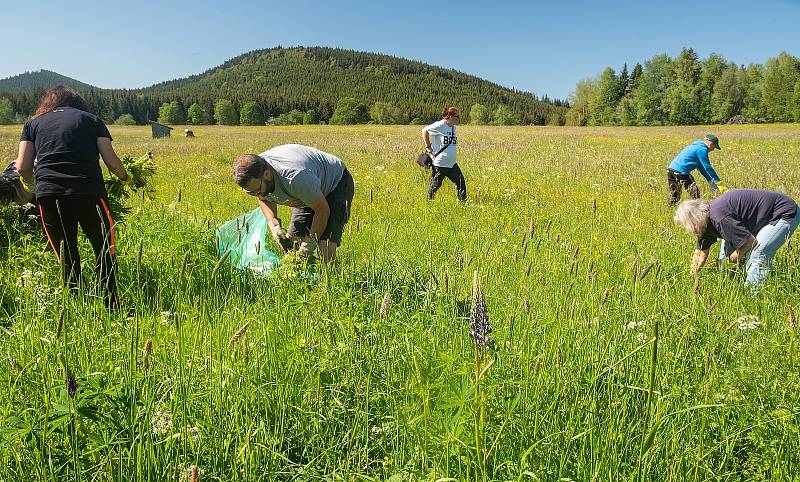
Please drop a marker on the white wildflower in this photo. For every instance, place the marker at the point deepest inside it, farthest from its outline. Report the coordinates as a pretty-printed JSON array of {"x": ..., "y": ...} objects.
[
  {"x": 642, "y": 337},
  {"x": 193, "y": 432},
  {"x": 591, "y": 322},
  {"x": 748, "y": 322},
  {"x": 161, "y": 422},
  {"x": 167, "y": 317},
  {"x": 29, "y": 278},
  {"x": 635, "y": 325}
]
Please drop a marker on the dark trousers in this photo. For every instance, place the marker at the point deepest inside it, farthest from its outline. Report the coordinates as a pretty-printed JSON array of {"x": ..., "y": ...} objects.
[
  {"x": 454, "y": 174},
  {"x": 677, "y": 180},
  {"x": 340, "y": 200},
  {"x": 61, "y": 216}
]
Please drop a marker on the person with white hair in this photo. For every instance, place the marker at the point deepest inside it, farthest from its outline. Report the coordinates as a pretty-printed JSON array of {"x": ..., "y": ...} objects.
[{"x": 752, "y": 223}]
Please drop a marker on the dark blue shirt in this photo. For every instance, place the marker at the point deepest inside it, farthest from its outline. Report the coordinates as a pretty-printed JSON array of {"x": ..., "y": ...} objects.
[{"x": 738, "y": 215}]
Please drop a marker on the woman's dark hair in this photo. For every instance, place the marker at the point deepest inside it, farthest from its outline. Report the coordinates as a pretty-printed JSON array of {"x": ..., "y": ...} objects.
[
  {"x": 61, "y": 96},
  {"x": 449, "y": 111}
]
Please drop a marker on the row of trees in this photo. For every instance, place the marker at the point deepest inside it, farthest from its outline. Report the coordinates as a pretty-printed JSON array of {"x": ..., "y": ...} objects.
[
  {"x": 224, "y": 113},
  {"x": 348, "y": 110},
  {"x": 7, "y": 114},
  {"x": 503, "y": 116},
  {"x": 687, "y": 90}
]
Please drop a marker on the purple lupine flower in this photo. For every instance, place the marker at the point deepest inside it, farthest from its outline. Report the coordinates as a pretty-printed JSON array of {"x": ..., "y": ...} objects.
[
  {"x": 72, "y": 385},
  {"x": 479, "y": 327}
]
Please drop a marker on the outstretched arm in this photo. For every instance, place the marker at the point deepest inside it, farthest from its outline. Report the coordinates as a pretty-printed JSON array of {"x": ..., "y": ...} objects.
[
  {"x": 699, "y": 259},
  {"x": 322, "y": 212},
  {"x": 706, "y": 168},
  {"x": 269, "y": 208},
  {"x": 110, "y": 158}
]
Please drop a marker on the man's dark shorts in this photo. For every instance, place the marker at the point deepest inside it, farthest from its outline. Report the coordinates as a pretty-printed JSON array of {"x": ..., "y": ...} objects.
[{"x": 340, "y": 200}]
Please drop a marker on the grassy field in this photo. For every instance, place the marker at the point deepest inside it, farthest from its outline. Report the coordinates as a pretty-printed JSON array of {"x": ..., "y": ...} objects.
[{"x": 610, "y": 362}]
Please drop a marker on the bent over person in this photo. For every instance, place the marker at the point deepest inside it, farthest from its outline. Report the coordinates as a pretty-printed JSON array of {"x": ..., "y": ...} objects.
[
  {"x": 317, "y": 186},
  {"x": 67, "y": 140},
  {"x": 694, "y": 156},
  {"x": 440, "y": 143},
  {"x": 752, "y": 223}
]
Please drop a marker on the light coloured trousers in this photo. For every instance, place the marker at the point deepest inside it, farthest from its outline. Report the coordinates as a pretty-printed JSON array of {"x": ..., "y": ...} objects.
[{"x": 759, "y": 260}]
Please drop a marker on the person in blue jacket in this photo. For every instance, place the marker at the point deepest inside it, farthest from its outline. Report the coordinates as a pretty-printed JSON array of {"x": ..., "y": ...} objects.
[{"x": 694, "y": 156}]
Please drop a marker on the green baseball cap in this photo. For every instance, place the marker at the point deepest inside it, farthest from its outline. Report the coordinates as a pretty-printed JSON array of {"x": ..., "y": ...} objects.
[{"x": 714, "y": 140}]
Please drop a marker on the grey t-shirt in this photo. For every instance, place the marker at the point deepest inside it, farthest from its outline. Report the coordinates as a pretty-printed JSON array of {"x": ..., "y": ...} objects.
[
  {"x": 739, "y": 215},
  {"x": 301, "y": 173}
]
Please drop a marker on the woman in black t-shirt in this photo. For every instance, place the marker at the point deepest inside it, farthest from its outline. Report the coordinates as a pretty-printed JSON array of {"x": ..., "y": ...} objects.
[
  {"x": 753, "y": 224},
  {"x": 67, "y": 139}
]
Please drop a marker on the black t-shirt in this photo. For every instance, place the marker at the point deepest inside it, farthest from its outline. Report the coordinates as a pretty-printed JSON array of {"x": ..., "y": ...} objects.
[
  {"x": 66, "y": 148},
  {"x": 738, "y": 215}
]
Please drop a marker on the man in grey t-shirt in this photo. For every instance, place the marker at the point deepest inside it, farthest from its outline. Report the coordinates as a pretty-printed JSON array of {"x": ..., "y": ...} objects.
[{"x": 317, "y": 185}]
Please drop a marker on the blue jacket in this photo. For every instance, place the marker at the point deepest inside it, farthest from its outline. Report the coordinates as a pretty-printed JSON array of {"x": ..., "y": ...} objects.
[{"x": 695, "y": 156}]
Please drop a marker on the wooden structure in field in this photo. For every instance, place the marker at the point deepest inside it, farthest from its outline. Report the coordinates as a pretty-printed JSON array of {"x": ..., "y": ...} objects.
[{"x": 159, "y": 130}]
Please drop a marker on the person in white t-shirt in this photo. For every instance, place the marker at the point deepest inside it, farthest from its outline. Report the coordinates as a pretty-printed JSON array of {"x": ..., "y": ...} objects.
[{"x": 440, "y": 143}]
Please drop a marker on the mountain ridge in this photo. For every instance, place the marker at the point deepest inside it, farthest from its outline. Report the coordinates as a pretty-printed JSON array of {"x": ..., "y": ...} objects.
[
  {"x": 42, "y": 78},
  {"x": 315, "y": 78}
]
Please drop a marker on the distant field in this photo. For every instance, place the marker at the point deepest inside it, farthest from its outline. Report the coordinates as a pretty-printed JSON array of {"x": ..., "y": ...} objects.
[{"x": 323, "y": 387}]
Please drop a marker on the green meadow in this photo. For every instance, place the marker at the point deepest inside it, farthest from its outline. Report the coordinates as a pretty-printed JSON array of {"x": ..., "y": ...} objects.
[{"x": 611, "y": 361}]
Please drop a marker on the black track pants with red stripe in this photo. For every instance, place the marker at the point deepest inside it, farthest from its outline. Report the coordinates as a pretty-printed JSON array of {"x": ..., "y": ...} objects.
[{"x": 61, "y": 216}]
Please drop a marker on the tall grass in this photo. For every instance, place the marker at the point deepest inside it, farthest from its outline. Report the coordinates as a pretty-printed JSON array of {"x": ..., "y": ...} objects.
[{"x": 610, "y": 362}]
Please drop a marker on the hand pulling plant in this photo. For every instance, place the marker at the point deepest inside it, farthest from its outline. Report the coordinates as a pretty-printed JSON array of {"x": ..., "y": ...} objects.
[{"x": 140, "y": 171}]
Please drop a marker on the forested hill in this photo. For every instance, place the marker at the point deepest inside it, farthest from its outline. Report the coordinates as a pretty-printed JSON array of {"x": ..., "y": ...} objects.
[
  {"x": 40, "y": 79},
  {"x": 280, "y": 80}
]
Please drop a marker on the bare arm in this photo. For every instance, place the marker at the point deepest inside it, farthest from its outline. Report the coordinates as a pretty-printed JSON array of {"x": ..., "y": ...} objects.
[
  {"x": 270, "y": 210},
  {"x": 322, "y": 212},
  {"x": 426, "y": 138},
  {"x": 25, "y": 158},
  {"x": 741, "y": 252},
  {"x": 699, "y": 259},
  {"x": 110, "y": 158}
]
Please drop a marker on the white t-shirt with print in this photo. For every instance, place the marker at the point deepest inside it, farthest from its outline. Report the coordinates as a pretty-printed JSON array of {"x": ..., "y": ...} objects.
[{"x": 442, "y": 135}]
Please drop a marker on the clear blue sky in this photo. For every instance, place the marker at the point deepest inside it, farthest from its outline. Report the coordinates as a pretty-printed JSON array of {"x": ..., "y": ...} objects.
[{"x": 541, "y": 47}]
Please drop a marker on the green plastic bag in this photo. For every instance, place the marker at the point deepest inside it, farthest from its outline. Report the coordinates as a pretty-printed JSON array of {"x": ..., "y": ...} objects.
[{"x": 245, "y": 237}]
